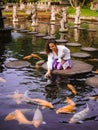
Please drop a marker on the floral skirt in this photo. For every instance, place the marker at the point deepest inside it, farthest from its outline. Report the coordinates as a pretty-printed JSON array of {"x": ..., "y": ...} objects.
[{"x": 59, "y": 66}]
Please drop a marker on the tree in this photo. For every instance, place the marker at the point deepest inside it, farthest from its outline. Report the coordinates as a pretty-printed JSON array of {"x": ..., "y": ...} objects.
[{"x": 75, "y": 3}]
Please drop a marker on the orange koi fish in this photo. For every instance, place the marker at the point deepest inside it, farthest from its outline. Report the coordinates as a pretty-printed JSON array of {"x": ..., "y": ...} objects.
[
  {"x": 32, "y": 55},
  {"x": 27, "y": 57},
  {"x": 41, "y": 102},
  {"x": 69, "y": 101},
  {"x": 66, "y": 109},
  {"x": 72, "y": 88},
  {"x": 18, "y": 116},
  {"x": 39, "y": 63}
]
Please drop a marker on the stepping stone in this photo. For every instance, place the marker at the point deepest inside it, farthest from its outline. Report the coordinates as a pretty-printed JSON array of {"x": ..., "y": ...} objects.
[
  {"x": 49, "y": 37},
  {"x": 17, "y": 29},
  {"x": 80, "y": 55},
  {"x": 24, "y": 31},
  {"x": 16, "y": 64},
  {"x": 81, "y": 28},
  {"x": 91, "y": 30},
  {"x": 92, "y": 81},
  {"x": 31, "y": 33},
  {"x": 73, "y": 44},
  {"x": 93, "y": 60},
  {"x": 90, "y": 49},
  {"x": 61, "y": 40},
  {"x": 78, "y": 67},
  {"x": 40, "y": 35}
]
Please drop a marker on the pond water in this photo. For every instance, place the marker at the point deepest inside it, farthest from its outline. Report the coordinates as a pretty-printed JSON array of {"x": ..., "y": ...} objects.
[{"x": 32, "y": 79}]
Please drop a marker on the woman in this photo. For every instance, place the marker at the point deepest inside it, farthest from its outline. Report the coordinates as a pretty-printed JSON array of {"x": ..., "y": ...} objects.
[{"x": 58, "y": 57}]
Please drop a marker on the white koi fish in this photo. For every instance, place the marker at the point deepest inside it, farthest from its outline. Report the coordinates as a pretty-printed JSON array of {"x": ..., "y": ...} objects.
[
  {"x": 78, "y": 117},
  {"x": 38, "y": 118},
  {"x": 19, "y": 97}
]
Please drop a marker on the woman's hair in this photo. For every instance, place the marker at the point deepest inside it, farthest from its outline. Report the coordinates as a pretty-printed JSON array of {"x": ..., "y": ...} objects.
[{"x": 48, "y": 50}]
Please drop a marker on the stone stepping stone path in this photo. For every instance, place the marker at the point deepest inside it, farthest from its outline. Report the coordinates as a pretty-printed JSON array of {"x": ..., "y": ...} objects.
[
  {"x": 92, "y": 81},
  {"x": 40, "y": 35},
  {"x": 73, "y": 44},
  {"x": 24, "y": 31},
  {"x": 16, "y": 64},
  {"x": 81, "y": 28},
  {"x": 78, "y": 67},
  {"x": 49, "y": 37},
  {"x": 80, "y": 55},
  {"x": 91, "y": 30},
  {"x": 61, "y": 41},
  {"x": 17, "y": 29},
  {"x": 89, "y": 49},
  {"x": 32, "y": 33}
]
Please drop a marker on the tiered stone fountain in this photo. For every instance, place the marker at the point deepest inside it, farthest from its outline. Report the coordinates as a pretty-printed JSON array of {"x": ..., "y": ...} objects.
[{"x": 5, "y": 32}]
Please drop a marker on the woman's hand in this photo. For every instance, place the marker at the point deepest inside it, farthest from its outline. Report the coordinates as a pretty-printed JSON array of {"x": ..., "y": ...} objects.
[
  {"x": 62, "y": 61},
  {"x": 48, "y": 74}
]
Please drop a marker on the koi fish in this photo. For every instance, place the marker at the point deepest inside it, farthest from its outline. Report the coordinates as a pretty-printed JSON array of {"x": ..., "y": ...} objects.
[
  {"x": 78, "y": 117},
  {"x": 68, "y": 100},
  {"x": 41, "y": 102},
  {"x": 96, "y": 71},
  {"x": 18, "y": 116},
  {"x": 66, "y": 109},
  {"x": 18, "y": 97},
  {"x": 94, "y": 98},
  {"x": 11, "y": 116},
  {"x": 72, "y": 89},
  {"x": 2, "y": 80},
  {"x": 27, "y": 57},
  {"x": 38, "y": 118},
  {"x": 32, "y": 55},
  {"x": 39, "y": 63}
]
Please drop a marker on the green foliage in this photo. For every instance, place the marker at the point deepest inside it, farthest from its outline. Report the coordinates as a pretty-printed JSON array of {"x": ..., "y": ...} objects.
[{"x": 84, "y": 12}]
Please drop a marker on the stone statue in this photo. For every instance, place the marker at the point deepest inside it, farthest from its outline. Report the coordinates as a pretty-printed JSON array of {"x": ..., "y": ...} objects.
[
  {"x": 64, "y": 20},
  {"x": 77, "y": 16},
  {"x": 15, "y": 18},
  {"x": 34, "y": 16},
  {"x": 52, "y": 13}
]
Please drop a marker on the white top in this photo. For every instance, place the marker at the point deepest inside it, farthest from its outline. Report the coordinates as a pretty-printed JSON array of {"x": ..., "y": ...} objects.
[{"x": 62, "y": 52}]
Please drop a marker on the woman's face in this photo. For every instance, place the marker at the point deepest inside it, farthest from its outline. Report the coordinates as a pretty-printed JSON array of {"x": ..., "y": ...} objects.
[{"x": 52, "y": 46}]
